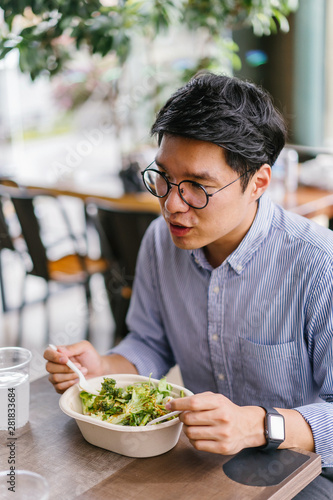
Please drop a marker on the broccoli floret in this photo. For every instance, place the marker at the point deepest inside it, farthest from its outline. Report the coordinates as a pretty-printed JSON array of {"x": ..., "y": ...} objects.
[{"x": 109, "y": 388}]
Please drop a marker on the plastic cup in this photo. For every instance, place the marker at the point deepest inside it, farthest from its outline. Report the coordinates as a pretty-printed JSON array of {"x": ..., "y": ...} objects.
[
  {"x": 23, "y": 485},
  {"x": 14, "y": 388}
]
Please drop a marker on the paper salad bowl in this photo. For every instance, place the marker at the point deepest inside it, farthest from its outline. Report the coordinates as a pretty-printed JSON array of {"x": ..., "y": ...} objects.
[{"x": 138, "y": 442}]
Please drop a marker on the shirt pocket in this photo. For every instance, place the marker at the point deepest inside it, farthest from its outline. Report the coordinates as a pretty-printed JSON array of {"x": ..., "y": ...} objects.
[{"x": 270, "y": 374}]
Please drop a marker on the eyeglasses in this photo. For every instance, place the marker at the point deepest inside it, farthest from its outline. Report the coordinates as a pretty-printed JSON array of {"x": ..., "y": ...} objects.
[{"x": 191, "y": 192}]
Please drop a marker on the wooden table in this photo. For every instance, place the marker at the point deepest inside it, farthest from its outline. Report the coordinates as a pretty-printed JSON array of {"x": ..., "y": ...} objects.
[
  {"x": 107, "y": 191},
  {"x": 52, "y": 445},
  {"x": 310, "y": 202},
  {"x": 306, "y": 201}
]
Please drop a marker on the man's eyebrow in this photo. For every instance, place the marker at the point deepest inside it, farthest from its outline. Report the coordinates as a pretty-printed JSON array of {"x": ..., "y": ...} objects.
[{"x": 202, "y": 176}]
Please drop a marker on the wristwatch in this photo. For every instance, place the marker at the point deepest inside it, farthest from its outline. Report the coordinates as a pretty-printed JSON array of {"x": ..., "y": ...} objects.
[{"x": 274, "y": 429}]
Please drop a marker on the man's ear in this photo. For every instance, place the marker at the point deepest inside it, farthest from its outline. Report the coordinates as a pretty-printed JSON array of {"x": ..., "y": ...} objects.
[{"x": 260, "y": 181}]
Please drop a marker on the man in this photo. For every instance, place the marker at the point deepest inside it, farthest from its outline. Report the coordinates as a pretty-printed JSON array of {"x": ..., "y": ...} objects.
[{"x": 230, "y": 287}]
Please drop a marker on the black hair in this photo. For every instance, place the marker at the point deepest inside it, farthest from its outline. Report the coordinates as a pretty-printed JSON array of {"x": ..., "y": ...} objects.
[{"x": 234, "y": 114}]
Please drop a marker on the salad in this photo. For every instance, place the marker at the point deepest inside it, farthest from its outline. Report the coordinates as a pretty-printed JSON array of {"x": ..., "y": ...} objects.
[{"x": 133, "y": 405}]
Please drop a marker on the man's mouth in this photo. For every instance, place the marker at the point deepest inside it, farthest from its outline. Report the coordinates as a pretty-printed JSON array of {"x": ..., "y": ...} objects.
[{"x": 179, "y": 230}]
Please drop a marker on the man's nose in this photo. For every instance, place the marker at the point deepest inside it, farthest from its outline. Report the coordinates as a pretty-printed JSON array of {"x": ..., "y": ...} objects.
[{"x": 174, "y": 203}]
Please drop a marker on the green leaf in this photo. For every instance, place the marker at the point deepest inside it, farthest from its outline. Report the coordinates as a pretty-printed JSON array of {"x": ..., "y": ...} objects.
[
  {"x": 4, "y": 51},
  {"x": 282, "y": 20}
]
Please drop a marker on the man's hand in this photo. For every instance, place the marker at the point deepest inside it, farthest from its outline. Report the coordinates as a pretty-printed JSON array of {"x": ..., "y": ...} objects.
[
  {"x": 213, "y": 423},
  {"x": 87, "y": 359},
  {"x": 83, "y": 355}
]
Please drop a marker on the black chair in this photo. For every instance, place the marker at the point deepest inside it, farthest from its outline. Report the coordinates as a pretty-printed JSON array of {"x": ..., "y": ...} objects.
[
  {"x": 72, "y": 268},
  {"x": 121, "y": 230}
]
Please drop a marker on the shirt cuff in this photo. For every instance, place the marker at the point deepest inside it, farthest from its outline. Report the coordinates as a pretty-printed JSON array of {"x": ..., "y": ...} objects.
[{"x": 320, "y": 418}]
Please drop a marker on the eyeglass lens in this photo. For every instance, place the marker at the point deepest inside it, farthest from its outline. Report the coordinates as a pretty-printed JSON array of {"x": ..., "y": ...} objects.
[{"x": 191, "y": 192}]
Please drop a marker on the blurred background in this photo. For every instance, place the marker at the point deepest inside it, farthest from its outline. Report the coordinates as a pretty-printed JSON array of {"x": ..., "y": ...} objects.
[{"x": 80, "y": 83}]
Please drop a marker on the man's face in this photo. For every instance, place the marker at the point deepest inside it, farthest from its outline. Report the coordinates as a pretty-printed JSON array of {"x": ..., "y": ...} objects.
[{"x": 222, "y": 224}]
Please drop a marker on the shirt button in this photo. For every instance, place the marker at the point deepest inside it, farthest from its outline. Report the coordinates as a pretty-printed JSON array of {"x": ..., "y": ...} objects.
[
  {"x": 216, "y": 289},
  {"x": 239, "y": 267},
  {"x": 221, "y": 376},
  {"x": 215, "y": 337}
]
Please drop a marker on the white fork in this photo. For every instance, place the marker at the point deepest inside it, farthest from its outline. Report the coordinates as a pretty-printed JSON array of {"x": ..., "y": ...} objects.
[
  {"x": 83, "y": 383},
  {"x": 164, "y": 417}
]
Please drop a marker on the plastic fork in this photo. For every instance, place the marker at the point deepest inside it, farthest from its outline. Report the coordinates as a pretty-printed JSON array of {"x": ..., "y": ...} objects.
[
  {"x": 164, "y": 417},
  {"x": 83, "y": 383}
]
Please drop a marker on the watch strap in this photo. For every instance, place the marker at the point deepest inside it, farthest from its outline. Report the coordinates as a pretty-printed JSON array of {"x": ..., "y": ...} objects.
[{"x": 270, "y": 443}]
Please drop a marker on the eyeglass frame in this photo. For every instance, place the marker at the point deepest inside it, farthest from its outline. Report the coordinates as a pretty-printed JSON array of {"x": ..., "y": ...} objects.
[{"x": 170, "y": 184}]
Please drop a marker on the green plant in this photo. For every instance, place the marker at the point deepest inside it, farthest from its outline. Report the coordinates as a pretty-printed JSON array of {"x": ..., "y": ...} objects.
[
  {"x": 84, "y": 47},
  {"x": 48, "y": 33}
]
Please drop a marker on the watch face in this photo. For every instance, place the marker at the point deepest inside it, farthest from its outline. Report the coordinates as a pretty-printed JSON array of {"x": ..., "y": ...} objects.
[{"x": 275, "y": 424}]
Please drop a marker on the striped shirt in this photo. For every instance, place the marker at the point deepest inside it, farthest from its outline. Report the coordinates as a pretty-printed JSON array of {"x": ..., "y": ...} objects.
[{"x": 258, "y": 328}]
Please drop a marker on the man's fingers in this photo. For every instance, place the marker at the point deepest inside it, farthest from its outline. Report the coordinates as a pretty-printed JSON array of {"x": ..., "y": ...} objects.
[
  {"x": 51, "y": 355},
  {"x": 198, "y": 402},
  {"x": 62, "y": 386},
  {"x": 57, "y": 378},
  {"x": 75, "y": 349},
  {"x": 60, "y": 356},
  {"x": 61, "y": 376},
  {"x": 199, "y": 418},
  {"x": 64, "y": 352},
  {"x": 196, "y": 432},
  {"x": 58, "y": 368},
  {"x": 206, "y": 445}
]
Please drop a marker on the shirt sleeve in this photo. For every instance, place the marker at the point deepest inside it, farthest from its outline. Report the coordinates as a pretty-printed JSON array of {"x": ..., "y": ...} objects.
[
  {"x": 146, "y": 345},
  {"x": 319, "y": 330}
]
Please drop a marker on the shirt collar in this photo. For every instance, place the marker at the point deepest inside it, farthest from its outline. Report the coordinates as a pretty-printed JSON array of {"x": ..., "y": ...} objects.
[
  {"x": 255, "y": 235},
  {"x": 249, "y": 244},
  {"x": 200, "y": 260}
]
